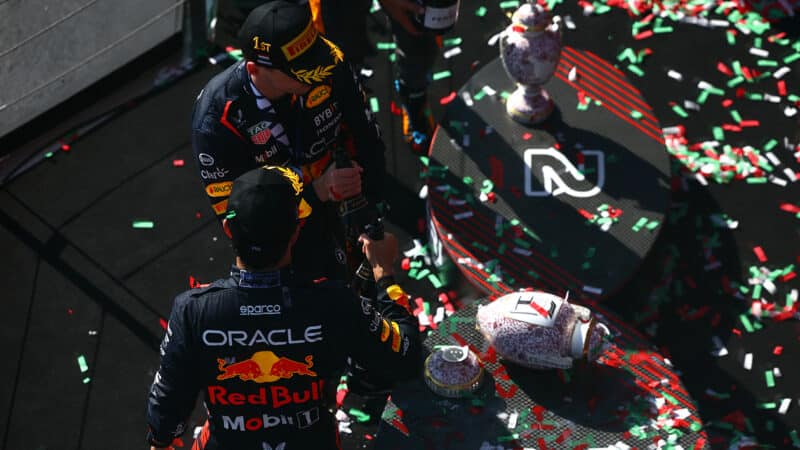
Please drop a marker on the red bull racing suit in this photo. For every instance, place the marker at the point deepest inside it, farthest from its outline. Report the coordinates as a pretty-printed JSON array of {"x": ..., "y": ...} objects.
[
  {"x": 266, "y": 352},
  {"x": 236, "y": 129}
]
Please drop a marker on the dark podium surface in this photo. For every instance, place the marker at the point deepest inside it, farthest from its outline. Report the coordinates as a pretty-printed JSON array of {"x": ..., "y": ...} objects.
[
  {"x": 630, "y": 395},
  {"x": 573, "y": 204}
]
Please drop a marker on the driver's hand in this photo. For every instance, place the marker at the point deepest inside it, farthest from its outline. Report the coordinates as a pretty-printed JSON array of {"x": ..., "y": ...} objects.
[
  {"x": 401, "y": 11},
  {"x": 339, "y": 184}
]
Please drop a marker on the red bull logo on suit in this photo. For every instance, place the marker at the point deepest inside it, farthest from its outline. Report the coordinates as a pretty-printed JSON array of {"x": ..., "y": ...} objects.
[{"x": 265, "y": 367}]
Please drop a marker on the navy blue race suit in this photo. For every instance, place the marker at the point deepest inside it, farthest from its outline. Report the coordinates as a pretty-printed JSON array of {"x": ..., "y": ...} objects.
[
  {"x": 266, "y": 351},
  {"x": 235, "y": 129}
]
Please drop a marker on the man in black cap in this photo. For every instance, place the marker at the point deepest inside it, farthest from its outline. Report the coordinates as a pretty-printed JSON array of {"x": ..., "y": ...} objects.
[
  {"x": 345, "y": 22},
  {"x": 267, "y": 348},
  {"x": 293, "y": 99}
]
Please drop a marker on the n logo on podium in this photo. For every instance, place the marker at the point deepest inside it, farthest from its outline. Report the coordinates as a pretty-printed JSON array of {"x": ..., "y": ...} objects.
[{"x": 552, "y": 164}]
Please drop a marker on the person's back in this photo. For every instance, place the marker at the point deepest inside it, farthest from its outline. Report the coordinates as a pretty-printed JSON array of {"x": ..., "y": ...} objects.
[{"x": 265, "y": 349}]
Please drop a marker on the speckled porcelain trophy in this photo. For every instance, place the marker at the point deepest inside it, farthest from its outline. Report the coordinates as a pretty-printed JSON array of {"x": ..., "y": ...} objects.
[
  {"x": 530, "y": 49},
  {"x": 541, "y": 331}
]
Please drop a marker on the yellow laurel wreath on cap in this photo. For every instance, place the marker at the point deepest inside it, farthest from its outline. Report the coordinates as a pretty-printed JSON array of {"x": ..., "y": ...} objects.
[
  {"x": 316, "y": 75},
  {"x": 336, "y": 52},
  {"x": 290, "y": 175}
]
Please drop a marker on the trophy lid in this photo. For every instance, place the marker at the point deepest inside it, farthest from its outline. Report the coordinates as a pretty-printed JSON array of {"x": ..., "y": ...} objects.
[{"x": 531, "y": 16}]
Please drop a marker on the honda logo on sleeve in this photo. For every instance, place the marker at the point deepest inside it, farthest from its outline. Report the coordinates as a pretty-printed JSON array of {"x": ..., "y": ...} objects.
[{"x": 549, "y": 164}]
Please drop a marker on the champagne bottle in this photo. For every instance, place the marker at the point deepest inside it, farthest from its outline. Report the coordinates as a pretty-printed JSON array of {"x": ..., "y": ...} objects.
[{"x": 357, "y": 216}]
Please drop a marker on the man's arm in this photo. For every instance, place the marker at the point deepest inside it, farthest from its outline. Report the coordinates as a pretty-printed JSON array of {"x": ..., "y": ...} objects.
[
  {"x": 386, "y": 337},
  {"x": 363, "y": 127},
  {"x": 218, "y": 163},
  {"x": 174, "y": 389}
]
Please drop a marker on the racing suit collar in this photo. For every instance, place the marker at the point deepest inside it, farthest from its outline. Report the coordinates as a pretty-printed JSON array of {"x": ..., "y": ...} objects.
[{"x": 262, "y": 280}]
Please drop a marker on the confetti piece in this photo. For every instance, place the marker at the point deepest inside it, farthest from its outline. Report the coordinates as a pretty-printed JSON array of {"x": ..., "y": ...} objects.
[
  {"x": 82, "y": 363},
  {"x": 452, "y": 52},
  {"x": 373, "y": 104},
  {"x": 143, "y": 224},
  {"x": 748, "y": 361},
  {"x": 760, "y": 254},
  {"x": 177, "y": 163},
  {"x": 592, "y": 290},
  {"x": 769, "y": 378}
]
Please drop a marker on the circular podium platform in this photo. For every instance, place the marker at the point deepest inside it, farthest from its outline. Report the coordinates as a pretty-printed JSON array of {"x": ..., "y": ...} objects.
[
  {"x": 573, "y": 204},
  {"x": 631, "y": 395}
]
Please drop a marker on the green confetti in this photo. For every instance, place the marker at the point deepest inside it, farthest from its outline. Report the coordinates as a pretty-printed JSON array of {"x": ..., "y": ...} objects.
[
  {"x": 680, "y": 111},
  {"x": 373, "y": 103},
  {"x": 639, "y": 224},
  {"x": 636, "y": 114},
  {"x": 509, "y": 4},
  {"x": 386, "y": 45},
  {"x": 652, "y": 225},
  {"x": 452, "y": 42},
  {"x": 82, "y": 363},
  {"x": 86, "y": 380},
  {"x": 731, "y": 37},
  {"x": 359, "y": 415},
  {"x": 441, "y": 75},
  {"x": 770, "y": 378},
  {"x": 791, "y": 58},
  {"x": 635, "y": 69},
  {"x": 746, "y": 323},
  {"x": 480, "y": 12},
  {"x": 143, "y": 224},
  {"x": 434, "y": 280},
  {"x": 48, "y": 155}
]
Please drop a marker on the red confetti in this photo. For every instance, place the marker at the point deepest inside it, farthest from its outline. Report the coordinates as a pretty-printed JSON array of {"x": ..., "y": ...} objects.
[
  {"x": 749, "y": 123},
  {"x": 643, "y": 35},
  {"x": 505, "y": 393},
  {"x": 449, "y": 98},
  {"x": 582, "y": 98},
  {"x": 400, "y": 426},
  {"x": 542, "y": 312},
  {"x": 496, "y": 173},
  {"x": 760, "y": 254},
  {"x": 406, "y": 264},
  {"x": 177, "y": 163},
  {"x": 563, "y": 436},
  {"x": 724, "y": 69},
  {"x": 782, "y": 88},
  {"x": 340, "y": 395},
  {"x": 777, "y": 350},
  {"x": 788, "y": 207},
  {"x": 542, "y": 445},
  {"x": 538, "y": 411},
  {"x": 526, "y": 136},
  {"x": 162, "y": 322},
  {"x": 788, "y": 276},
  {"x": 727, "y": 102}
]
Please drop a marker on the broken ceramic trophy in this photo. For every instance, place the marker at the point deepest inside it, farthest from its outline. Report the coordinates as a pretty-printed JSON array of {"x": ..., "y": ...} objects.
[{"x": 540, "y": 330}]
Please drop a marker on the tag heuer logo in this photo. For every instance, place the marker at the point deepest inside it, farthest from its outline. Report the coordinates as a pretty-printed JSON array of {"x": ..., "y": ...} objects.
[{"x": 259, "y": 133}]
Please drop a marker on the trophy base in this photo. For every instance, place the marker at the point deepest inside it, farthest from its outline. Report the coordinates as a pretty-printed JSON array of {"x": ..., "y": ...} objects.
[{"x": 529, "y": 105}]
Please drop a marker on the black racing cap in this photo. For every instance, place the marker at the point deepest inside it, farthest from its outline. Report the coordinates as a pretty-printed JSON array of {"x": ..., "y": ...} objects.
[
  {"x": 281, "y": 35},
  {"x": 264, "y": 209}
]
